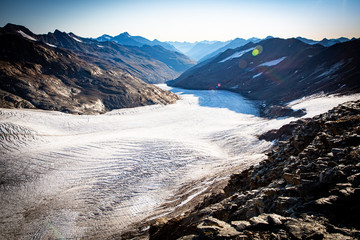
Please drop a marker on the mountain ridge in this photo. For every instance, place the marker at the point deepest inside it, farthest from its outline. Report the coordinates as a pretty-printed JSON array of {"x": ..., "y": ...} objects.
[
  {"x": 277, "y": 71},
  {"x": 37, "y": 74},
  {"x": 126, "y": 39},
  {"x": 132, "y": 59}
]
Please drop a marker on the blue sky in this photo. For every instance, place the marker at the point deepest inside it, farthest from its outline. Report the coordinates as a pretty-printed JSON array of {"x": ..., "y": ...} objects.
[{"x": 188, "y": 20}]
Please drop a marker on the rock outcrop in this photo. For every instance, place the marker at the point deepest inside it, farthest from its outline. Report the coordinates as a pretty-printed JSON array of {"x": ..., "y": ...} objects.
[
  {"x": 36, "y": 74},
  {"x": 307, "y": 188}
]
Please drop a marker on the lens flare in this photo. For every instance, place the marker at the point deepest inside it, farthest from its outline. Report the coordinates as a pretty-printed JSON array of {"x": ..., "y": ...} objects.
[
  {"x": 212, "y": 91},
  {"x": 257, "y": 50}
]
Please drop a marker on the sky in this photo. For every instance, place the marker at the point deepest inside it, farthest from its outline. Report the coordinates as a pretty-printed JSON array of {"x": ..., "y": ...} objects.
[{"x": 188, "y": 20}]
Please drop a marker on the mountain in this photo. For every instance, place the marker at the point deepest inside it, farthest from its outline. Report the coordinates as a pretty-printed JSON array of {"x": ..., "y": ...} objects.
[
  {"x": 200, "y": 49},
  {"x": 237, "y": 42},
  {"x": 329, "y": 42},
  {"x": 36, "y": 73},
  {"x": 307, "y": 41},
  {"x": 278, "y": 70},
  {"x": 182, "y": 46},
  {"x": 137, "y": 61},
  {"x": 138, "y": 41},
  {"x": 325, "y": 42}
]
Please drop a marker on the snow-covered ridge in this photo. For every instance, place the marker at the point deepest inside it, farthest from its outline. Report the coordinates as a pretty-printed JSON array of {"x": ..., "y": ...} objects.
[
  {"x": 273, "y": 62},
  {"x": 26, "y": 36},
  {"x": 236, "y": 55}
]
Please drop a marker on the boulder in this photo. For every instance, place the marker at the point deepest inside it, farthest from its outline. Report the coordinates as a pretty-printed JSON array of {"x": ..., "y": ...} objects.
[{"x": 212, "y": 228}]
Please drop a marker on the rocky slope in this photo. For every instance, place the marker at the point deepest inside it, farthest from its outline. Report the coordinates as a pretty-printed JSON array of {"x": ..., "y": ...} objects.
[
  {"x": 151, "y": 64},
  {"x": 277, "y": 71},
  {"x": 37, "y": 74},
  {"x": 308, "y": 188}
]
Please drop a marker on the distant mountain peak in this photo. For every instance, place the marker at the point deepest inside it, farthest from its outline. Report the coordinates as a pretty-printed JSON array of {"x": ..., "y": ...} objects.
[{"x": 125, "y": 34}]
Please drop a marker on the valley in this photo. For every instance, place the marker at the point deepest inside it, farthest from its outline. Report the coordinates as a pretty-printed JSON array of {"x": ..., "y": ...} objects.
[
  {"x": 97, "y": 176},
  {"x": 179, "y": 120}
]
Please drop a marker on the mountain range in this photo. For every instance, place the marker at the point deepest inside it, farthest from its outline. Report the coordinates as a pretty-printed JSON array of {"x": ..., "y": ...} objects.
[
  {"x": 64, "y": 72},
  {"x": 138, "y": 41},
  {"x": 201, "y": 51},
  {"x": 324, "y": 42},
  {"x": 277, "y": 71}
]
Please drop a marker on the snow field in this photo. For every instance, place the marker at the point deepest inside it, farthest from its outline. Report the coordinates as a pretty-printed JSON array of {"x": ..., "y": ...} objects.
[{"x": 94, "y": 176}]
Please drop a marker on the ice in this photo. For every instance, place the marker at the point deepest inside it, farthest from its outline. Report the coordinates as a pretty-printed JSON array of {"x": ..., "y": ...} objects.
[
  {"x": 273, "y": 62},
  {"x": 257, "y": 75},
  {"x": 236, "y": 55},
  {"x": 26, "y": 36},
  {"x": 94, "y": 176}
]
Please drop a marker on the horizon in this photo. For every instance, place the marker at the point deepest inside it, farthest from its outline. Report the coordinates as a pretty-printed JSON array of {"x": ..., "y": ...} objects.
[{"x": 189, "y": 21}]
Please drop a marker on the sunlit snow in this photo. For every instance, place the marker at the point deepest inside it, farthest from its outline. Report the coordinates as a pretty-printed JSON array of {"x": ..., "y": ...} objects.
[
  {"x": 76, "y": 39},
  {"x": 236, "y": 55},
  {"x": 320, "y": 103},
  {"x": 257, "y": 75},
  {"x": 273, "y": 62},
  {"x": 51, "y": 45},
  {"x": 26, "y": 36},
  {"x": 99, "y": 174}
]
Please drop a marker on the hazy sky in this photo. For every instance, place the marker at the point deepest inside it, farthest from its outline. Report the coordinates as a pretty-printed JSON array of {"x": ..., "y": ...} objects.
[{"x": 188, "y": 20}]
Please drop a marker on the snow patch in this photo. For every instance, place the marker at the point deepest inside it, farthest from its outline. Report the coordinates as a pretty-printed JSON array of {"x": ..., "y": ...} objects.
[
  {"x": 320, "y": 103},
  {"x": 257, "y": 75},
  {"x": 236, "y": 55},
  {"x": 333, "y": 69},
  {"x": 26, "y": 36},
  {"x": 273, "y": 62},
  {"x": 76, "y": 39},
  {"x": 51, "y": 45}
]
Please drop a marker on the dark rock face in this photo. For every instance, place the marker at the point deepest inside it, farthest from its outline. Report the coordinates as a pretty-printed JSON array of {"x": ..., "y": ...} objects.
[
  {"x": 34, "y": 74},
  {"x": 279, "y": 70},
  {"x": 308, "y": 188}
]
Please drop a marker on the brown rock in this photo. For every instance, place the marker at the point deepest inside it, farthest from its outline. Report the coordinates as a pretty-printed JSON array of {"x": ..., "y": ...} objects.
[
  {"x": 305, "y": 230},
  {"x": 291, "y": 178},
  {"x": 212, "y": 228},
  {"x": 240, "y": 225},
  {"x": 189, "y": 237}
]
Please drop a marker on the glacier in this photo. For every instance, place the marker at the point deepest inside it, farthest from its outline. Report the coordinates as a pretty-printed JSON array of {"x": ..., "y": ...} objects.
[{"x": 93, "y": 176}]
